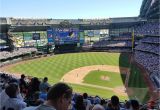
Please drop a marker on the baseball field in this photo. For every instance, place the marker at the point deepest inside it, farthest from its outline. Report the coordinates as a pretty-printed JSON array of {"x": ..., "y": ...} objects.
[{"x": 97, "y": 73}]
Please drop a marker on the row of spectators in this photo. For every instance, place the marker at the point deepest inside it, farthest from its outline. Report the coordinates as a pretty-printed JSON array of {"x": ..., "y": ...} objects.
[
  {"x": 57, "y": 21},
  {"x": 15, "y": 53},
  {"x": 152, "y": 40},
  {"x": 151, "y": 62},
  {"x": 122, "y": 38},
  {"x": 30, "y": 21},
  {"x": 39, "y": 95},
  {"x": 154, "y": 48},
  {"x": 5, "y": 78},
  {"x": 120, "y": 50},
  {"x": 19, "y": 93},
  {"x": 147, "y": 54},
  {"x": 122, "y": 43},
  {"x": 149, "y": 28},
  {"x": 109, "y": 43}
]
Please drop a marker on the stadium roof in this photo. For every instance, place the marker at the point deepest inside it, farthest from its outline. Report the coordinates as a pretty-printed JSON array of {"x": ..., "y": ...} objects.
[{"x": 25, "y": 25}]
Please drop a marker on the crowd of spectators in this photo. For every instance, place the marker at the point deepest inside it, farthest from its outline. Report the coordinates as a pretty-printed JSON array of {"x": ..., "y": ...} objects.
[
  {"x": 5, "y": 78},
  {"x": 57, "y": 21},
  {"x": 15, "y": 53},
  {"x": 33, "y": 94},
  {"x": 150, "y": 62},
  {"x": 121, "y": 43},
  {"x": 153, "y": 40},
  {"x": 153, "y": 48},
  {"x": 149, "y": 28},
  {"x": 113, "y": 44},
  {"x": 30, "y": 21},
  {"x": 147, "y": 54},
  {"x": 124, "y": 40}
]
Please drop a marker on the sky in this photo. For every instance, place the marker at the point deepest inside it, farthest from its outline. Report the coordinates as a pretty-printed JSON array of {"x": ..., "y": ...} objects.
[{"x": 69, "y": 9}]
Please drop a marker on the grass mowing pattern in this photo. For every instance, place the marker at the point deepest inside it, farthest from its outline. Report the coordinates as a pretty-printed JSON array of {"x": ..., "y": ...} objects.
[
  {"x": 55, "y": 67},
  {"x": 94, "y": 77}
]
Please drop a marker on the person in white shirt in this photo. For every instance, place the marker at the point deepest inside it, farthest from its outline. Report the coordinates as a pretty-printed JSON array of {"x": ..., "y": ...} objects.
[
  {"x": 4, "y": 97},
  {"x": 13, "y": 102}
]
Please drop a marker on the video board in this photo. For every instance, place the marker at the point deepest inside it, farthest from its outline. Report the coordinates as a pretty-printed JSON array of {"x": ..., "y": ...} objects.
[
  {"x": 36, "y": 36},
  {"x": 50, "y": 36},
  {"x": 66, "y": 35}
]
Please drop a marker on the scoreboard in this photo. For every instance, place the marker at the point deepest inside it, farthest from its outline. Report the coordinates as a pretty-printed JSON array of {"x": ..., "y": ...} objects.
[
  {"x": 66, "y": 35},
  {"x": 60, "y": 36}
]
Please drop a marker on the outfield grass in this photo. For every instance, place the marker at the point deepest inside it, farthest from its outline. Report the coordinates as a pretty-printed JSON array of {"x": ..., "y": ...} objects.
[
  {"x": 115, "y": 79},
  {"x": 55, "y": 67}
]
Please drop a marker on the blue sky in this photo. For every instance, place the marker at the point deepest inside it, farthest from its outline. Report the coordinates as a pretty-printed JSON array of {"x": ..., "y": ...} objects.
[{"x": 69, "y": 9}]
